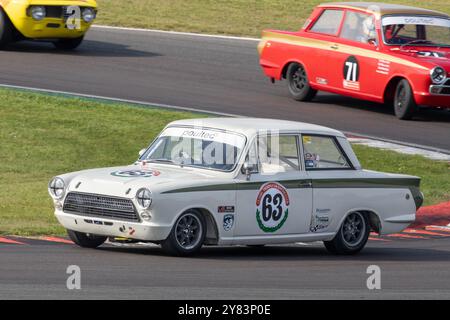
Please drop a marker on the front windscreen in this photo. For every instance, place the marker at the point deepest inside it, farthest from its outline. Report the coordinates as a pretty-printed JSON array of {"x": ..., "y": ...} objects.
[
  {"x": 416, "y": 31},
  {"x": 196, "y": 147}
]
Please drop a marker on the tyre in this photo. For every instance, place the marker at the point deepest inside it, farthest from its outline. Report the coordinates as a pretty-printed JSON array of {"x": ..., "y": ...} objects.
[
  {"x": 298, "y": 83},
  {"x": 6, "y": 29},
  {"x": 86, "y": 240},
  {"x": 352, "y": 235},
  {"x": 68, "y": 44},
  {"x": 187, "y": 235},
  {"x": 404, "y": 105}
]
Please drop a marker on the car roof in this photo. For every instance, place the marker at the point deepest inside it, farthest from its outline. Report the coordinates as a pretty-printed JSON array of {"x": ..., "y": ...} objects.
[
  {"x": 385, "y": 8},
  {"x": 249, "y": 126}
]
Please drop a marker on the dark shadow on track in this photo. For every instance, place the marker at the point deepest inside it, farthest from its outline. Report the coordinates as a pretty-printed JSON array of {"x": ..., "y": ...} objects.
[
  {"x": 88, "y": 48},
  {"x": 425, "y": 114},
  {"x": 296, "y": 253}
]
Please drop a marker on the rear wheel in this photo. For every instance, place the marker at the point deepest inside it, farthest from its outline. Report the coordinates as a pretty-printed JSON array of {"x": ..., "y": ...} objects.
[
  {"x": 6, "y": 29},
  {"x": 298, "y": 83},
  {"x": 187, "y": 235},
  {"x": 352, "y": 235},
  {"x": 404, "y": 105},
  {"x": 86, "y": 240},
  {"x": 68, "y": 44}
]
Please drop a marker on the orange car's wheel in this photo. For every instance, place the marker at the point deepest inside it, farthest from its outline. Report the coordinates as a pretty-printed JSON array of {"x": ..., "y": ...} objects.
[
  {"x": 5, "y": 29},
  {"x": 68, "y": 44},
  {"x": 298, "y": 83},
  {"x": 404, "y": 104}
]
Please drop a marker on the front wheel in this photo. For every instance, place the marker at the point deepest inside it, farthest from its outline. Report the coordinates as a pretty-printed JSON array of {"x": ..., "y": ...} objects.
[
  {"x": 187, "y": 235},
  {"x": 352, "y": 235},
  {"x": 404, "y": 104},
  {"x": 298, "y": 83},
  {"x": 86, "y": 240},
  {"x": 5, "y": 29},
  {"x": 68, "y": 44}
]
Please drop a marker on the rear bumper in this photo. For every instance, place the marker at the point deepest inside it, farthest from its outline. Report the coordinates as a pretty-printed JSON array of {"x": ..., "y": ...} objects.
[{"x": 145, "y": 231}]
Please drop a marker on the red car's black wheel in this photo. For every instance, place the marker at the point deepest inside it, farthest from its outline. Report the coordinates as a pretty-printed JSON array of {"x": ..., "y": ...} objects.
[
  {"x": 405, "y": 106},
  {"x": 298, "y": 83}
]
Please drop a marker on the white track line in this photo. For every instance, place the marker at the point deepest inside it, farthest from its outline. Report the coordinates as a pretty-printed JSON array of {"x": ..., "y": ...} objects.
[
  {"x": 354, "y": 138},
  {"x": 179, "y": 33},
  {"x": 119, "y": 100}
]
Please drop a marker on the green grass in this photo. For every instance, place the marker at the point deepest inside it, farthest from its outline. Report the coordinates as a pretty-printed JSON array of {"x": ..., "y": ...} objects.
[
  {"x": 233, "y": 17},
  {"x": 43, "y": 136}
]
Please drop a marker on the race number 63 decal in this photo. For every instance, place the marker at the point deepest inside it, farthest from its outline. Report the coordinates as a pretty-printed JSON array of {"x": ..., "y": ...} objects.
[{"x": 272, "y": 207}]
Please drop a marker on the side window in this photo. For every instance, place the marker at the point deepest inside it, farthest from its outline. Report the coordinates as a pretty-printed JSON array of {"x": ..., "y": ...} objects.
[
  {"x": 359, "y": 27},
  {"x": 278, "y": 154},
  {"x": 321, "y": 152},
  {"x": 328, "y": 22}
]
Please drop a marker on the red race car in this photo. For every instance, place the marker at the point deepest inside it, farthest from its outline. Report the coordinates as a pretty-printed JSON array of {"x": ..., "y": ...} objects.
[{"x": 372, "y": 51}]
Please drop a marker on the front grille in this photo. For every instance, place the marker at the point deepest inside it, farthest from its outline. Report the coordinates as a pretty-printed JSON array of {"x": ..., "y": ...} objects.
[
  {"x": 447, "y": 83},
  {"x": 54, "y": 11},
  {"x": 446, "y": 90},
  {"x": 93, "y": 205}
]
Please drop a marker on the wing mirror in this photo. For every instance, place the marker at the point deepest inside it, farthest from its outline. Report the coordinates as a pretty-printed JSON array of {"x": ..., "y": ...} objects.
[
  {"x": 373, "y": 42},
  {"x": 248, "y": 169}
]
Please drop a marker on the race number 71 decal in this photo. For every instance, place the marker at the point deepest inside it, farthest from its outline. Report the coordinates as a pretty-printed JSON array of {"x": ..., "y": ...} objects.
[
  {"x": 351, "y": 74},
  {"x": 272, "y": 207}
]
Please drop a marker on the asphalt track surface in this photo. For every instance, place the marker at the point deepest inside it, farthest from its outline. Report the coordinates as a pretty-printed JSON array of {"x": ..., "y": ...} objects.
[
  {"x": 410, "y": 268},
  {"x": 212, "y": 74}
]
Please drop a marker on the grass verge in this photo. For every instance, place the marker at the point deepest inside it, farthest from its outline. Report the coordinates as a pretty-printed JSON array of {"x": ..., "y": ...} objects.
[
  {"x": 232, "y": 17},
  {"x": 42, "y": 136}
]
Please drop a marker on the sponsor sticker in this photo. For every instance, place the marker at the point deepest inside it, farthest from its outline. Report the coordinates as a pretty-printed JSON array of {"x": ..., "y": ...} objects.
[
  {"x": 384, "y": 67},
  {"x": 228, "y": 222},
  {"x": 136, "y": 173},
  {"x": 272, "y": 207},
  {"x": 225, "y": 209}
]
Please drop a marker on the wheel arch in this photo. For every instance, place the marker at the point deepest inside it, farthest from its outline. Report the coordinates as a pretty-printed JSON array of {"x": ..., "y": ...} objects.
[
  {"x": 286, "y": 66},
  {"x": 391, "y": 86},
  {"x": 372, "y": 216},
  {"x": 212, "y": 231}
]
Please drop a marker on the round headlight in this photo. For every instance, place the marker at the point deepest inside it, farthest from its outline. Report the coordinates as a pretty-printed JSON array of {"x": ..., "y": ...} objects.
[
  {"x": 38, "y": 12},
  {"x": 88, "y": 15},
  {"x": 56, "y": 188},
  {"x": 438, "y": 75},
  {"x": 144, "y": 198}
]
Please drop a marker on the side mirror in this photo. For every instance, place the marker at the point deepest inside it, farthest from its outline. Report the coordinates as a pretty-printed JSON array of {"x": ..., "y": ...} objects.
[
  {"x": 142, "y": 152},
  {"x": 372, "y": 42},
  {"x": 247, "y": 169}
]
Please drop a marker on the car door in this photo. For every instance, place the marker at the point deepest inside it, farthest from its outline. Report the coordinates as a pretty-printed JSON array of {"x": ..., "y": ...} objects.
[
  {"x": 329, "y": 169},
  {"x": 275, "y": 198},
  {"x": 357, "y": 67},
  {"x": 325, "y": 32}
]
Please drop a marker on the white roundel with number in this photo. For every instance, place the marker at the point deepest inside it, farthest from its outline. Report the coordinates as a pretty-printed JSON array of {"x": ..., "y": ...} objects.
[{"x": 272, "y": 207}]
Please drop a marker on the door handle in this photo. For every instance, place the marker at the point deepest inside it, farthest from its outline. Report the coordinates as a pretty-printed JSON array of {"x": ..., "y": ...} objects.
[
  {"x": 334, "y": 47},
  {"x": 305, "y": 184}
]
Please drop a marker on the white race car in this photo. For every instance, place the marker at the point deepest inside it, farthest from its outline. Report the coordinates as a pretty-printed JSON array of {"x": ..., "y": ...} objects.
[{"x": 237, "y": 181}]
